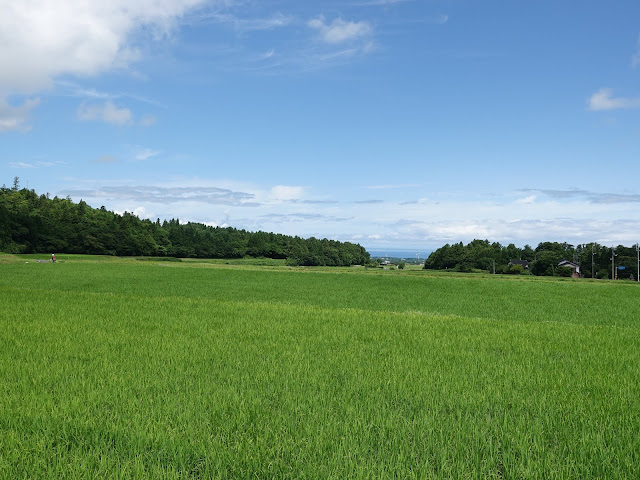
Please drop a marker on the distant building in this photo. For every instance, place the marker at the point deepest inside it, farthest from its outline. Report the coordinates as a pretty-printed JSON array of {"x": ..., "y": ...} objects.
[
  {"x": 572, "y": 266},
  {"x": 524, "y": 263}
]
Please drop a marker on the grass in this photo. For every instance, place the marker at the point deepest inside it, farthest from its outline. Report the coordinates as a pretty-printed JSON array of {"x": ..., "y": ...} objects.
[{"x": 129, "y": 369}]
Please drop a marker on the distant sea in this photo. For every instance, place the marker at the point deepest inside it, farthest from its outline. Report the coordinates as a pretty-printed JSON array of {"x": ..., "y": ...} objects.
[{"x": 397, "y": 253}]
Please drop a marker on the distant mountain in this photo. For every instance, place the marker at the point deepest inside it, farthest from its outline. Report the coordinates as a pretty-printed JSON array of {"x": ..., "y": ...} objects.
[{"x": 398, "y": 253}]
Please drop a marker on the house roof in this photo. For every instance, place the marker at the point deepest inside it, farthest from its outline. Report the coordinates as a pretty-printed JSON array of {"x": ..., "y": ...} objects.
[{"x": 567, "y": 263}]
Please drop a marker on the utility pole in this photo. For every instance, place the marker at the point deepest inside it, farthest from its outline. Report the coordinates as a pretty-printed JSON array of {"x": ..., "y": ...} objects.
[
  {"x": 613, "y": 256},
  {"x": 592, "y": 260}
]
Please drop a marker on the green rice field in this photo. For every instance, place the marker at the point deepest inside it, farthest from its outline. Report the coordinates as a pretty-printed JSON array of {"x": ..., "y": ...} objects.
[{"x": 114, "y": 368}]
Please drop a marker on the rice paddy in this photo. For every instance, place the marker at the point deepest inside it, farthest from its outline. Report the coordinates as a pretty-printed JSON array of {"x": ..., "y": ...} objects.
[{"x": 126, "y": 369}]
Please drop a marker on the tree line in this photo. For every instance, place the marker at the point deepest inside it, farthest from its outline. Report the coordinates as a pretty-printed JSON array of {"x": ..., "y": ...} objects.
[
  {"x": 32, "y": 223},
  {"x": 593, "y": 259}
]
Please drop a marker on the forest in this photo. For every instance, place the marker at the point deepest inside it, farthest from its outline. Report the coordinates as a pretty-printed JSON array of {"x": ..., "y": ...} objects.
[
  {"x": 594, "y": 259},
  {"x": 32, "y": 223}
]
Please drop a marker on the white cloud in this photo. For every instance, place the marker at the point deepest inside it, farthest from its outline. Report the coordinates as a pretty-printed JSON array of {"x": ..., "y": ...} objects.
[
  {"x": 140, "y": 212},
  {"x": 214, "y": 224},
  {"x": 340, "y": 31},
  {"x": 433, "y": 234},
  {"x": 276, "y": 21},
  {"x": 16, "y": 118},
  {"x": 603, "y": 100},
  {"x": 44, "y": 39},
  {"x": 520, "y": 217},
  {"x": 283, "y": 192},
  {"x": 106, "y": 112},
  {"x": 527, "y": 200}
]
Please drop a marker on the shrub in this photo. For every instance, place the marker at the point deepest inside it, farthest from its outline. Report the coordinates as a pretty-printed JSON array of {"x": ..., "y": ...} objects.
[
  {"x": 564, "y": 271},
  {"x": 515, "y": 270},
  {"x": 464, "y": 267}
]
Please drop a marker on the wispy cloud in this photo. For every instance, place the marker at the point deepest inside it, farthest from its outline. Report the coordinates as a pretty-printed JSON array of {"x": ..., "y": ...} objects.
[
  {"x": 267, "y": 55},
  {"x": 256, "y": 24},
  {"x": 325, "y": 44},
  {"x": 36, "y": 164},
  {"x": 106, "y": 112},
  {"x": 315, "y": 202},
  {"x": 240, "y": 24},
  {"x": 420, "y": 201},
  {"x": 603, "y": 99},
  {"x": 394, "y": 186},
  {"x": 72, "y": 89},
  {"x": 338, "y": 56},
  {"x": 21, "y": 165},
  {"x": 442, "y": 19},
  {"x": 16, "y": 118},
  {"x": 167, "y": 195},
  {"x": 591, "y": 197},
  {"x": 302, "y": 217},
  {"x": 340, "y": 31},
  {"x": 146, "y": 154}
]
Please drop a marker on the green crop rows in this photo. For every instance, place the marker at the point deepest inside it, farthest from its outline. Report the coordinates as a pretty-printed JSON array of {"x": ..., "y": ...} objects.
[{"x": 125, "y": 369}]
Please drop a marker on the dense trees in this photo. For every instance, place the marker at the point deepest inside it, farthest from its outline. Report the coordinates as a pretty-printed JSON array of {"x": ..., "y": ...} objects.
[
  {"x": 478, "y": 254},
  {"x": 594, "y": 259},
  {"x": 32, "y": 223}
]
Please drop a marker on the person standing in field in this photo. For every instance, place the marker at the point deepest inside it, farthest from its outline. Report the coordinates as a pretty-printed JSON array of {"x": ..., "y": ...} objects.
[{"x": 53, "y": 257}]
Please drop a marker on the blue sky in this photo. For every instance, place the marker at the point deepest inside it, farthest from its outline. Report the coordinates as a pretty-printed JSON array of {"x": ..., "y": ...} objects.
[{"x": 394, "y": 124}]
